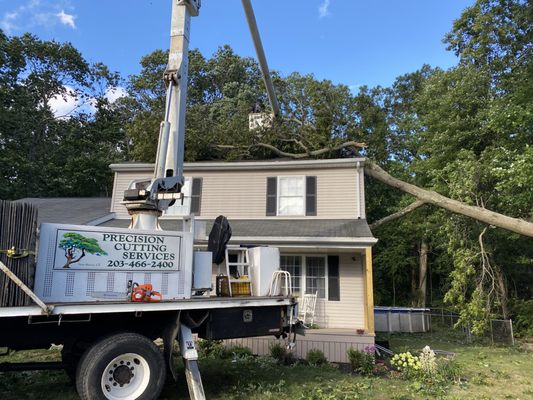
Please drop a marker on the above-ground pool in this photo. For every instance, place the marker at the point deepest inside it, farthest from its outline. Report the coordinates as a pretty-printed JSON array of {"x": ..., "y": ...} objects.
[{"x": 402, "y": 319}]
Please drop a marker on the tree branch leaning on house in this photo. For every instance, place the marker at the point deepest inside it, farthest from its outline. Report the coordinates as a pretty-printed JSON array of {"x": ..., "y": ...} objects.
[{"x": 489, "y": 217}]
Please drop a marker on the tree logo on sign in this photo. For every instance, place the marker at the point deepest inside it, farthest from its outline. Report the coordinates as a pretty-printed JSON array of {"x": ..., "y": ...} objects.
[{"x": 76, "y": 246}]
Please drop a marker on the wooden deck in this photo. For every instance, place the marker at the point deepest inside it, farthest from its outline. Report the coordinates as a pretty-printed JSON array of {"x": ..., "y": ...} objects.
[{"x": 334, "y": 343}]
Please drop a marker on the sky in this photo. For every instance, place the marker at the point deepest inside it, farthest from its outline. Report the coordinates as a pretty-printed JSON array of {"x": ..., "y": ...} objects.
[{"x": 353, "y": 42}]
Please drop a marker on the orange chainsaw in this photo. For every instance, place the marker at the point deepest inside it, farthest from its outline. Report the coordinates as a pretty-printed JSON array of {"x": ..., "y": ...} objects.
[{"x": 144, "y": 293}]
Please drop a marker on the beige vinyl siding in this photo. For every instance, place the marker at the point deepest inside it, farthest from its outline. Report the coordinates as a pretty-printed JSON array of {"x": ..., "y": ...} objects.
[
  {"x": 349, "y": 311},
  {"x": 242, "y": 194}
]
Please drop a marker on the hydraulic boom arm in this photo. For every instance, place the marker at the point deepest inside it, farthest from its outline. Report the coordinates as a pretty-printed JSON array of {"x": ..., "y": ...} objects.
[{"x": 145, "y": 200}]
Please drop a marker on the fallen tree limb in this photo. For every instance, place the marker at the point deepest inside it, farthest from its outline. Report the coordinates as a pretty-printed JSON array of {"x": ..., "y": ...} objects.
[
  {"x": 481, "y": 214},
  {"x": 425, "y": 196},
  {"x": 297, "y": 156},
  {"x": 411, "y": 207}
]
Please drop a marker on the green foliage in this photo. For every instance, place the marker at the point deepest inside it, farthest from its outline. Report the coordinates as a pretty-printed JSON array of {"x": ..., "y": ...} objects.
[
  {"x": 221, "y": 92},
  {"x": 407, "y": 364},
  {"x": 428, "y": 375},
  {"x": 316, "y": 357},
  {"x": 239, "y": 352},
  {"x": 55, "y": 155},
  {"x": 362, "y": 361},
  {"x": 522, "y": 313},
  {"x": 486, "y": 372},
  {"x": 210, "y": 348},
  {"x": 280, "y": 353},
  {"x": 332, "y": 391},
  {"x": 471, "y": 129},
  {"x": 464, "y": 132}
]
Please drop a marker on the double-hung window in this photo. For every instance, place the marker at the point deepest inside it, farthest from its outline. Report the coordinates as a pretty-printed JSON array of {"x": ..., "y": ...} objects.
[
  {"x": 309, "y": 275},
  {"x": 291, "y": 196},
  {"x": 293, "y": 265},
  {"x": 315, "y": 279}
]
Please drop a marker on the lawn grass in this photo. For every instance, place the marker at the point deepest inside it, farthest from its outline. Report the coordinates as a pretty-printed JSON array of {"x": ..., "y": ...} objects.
[{"x": 487, "y": 372}]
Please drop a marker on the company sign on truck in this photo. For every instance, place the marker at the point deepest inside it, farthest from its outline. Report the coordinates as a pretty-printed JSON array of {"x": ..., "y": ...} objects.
[
  {"x": 81, "y": 263},
  {"x": 106, "y": 251}
]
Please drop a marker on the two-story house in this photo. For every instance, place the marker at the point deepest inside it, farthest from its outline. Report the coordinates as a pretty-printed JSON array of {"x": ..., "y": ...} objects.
[{"x": 312, "y": 210}]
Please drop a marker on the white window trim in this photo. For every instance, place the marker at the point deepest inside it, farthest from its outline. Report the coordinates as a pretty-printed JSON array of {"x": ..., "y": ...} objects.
[
  {"x": 303, "y": 273},
  {"x": 278, "y": 192}
]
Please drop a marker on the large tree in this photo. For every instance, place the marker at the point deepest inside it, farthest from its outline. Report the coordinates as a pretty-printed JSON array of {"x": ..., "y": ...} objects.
[{"x": 45, "y": 152}]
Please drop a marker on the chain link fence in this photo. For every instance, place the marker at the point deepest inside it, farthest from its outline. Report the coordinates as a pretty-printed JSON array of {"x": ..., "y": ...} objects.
[{"x": 499, "y": 331}]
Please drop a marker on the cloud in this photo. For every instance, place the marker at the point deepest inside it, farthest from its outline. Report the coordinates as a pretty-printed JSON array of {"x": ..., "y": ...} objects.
[
  {"x": 7, "y": 23},
  {"x": 68, "y": 104},
  {"x": 37, "y": 13},
  {"x": 112, "y": 94},
  {"x": 66, "y": 19},
  {"x": 64, "y": 105},
  {"x": 323, "y": 9}
]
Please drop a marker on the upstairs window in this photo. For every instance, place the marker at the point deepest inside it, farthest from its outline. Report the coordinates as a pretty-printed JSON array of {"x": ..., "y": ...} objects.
[{"x": 291, "y": 196}]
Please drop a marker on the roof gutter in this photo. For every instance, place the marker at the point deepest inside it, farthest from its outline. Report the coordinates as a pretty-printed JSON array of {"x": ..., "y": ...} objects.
[
  {"x": 306, "y": 241},
  {"x": 251, "y": 165}
]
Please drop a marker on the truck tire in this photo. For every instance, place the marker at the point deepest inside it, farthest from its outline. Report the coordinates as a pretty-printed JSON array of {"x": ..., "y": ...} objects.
[{"x": 125, "y": 366}]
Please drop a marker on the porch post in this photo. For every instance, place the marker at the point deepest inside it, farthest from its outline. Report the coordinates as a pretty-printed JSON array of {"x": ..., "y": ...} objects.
[{"x": 369, "y": 292}]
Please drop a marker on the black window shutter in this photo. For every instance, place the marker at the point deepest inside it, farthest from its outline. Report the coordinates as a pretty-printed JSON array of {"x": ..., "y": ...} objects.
[
  {"x": 310, "y": 195},
  {"x": 334, "y": 290},
  {"x": 196, "y": 196},
  {"x": 271, "y": 200}
]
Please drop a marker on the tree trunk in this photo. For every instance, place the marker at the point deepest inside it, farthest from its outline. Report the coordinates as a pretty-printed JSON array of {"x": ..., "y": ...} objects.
[
  {"x": 414, "y": 286},
  {"x": 481, "y": 214},
  {"x": 503, "y": 296},
  {"x": 422, "y": 273}
]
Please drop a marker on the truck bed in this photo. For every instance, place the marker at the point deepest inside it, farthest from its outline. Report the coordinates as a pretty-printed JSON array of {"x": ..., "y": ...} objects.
[{"x": 198, "y": 303}]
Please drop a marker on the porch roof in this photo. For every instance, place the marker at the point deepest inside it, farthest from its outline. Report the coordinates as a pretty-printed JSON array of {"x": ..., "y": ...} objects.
[
  {"x": 302, "y": 232},
  {"x": 330, "y": 232}
]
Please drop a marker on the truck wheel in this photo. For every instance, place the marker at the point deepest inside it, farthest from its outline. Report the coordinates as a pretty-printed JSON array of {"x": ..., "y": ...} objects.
[{"x": 125, "y": 366}]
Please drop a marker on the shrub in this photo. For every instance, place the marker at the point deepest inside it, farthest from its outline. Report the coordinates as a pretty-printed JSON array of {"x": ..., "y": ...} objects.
[
  {"x": 362, "y": 361},
  {"x": 279, "y": 353},
  {"x": 449, "y": 370},
  {"x": 240, "y": 352},
  {"x": 210, "y": 348},
  {"x": 426, "y": 368},
  {"x": 428, "y": 362},
  {"x": 316, "y": 357},
  {"x": 407, "y": 364},
  {"x": 522, "y": 311}
]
